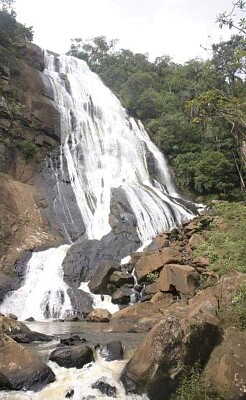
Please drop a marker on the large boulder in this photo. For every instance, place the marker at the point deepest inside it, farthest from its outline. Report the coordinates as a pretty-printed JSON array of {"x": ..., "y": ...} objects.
[
  {"x": 80, "y": 300},
  {"x": 183, "y": 278},
  {"x": 99, "y": 315},
  {"x": 11, "y": 326},
  {"x": 122, "y": 295},
  {"x": 98, "y": 283},
  {"x": 225, "y": 370},
  {"x": 21, "y": 369},
  {"x": 155, "y": 261},
  {"x": 156, "y": 366},
  {"x": 72, "y": 356},
  {"x": 120, "y": 278}
]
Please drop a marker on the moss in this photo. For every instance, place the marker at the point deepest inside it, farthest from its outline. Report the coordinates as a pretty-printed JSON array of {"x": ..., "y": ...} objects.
[{"x": 28, "y": 148}]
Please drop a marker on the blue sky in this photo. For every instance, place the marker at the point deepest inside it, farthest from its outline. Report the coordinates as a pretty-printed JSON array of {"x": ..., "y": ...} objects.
[{"x": 173, "y": 27}]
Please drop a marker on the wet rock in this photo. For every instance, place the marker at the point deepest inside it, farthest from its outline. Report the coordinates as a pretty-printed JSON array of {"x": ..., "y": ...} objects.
[
  {"x": 99, "y": 315},
  {"x": 122, "y": 295},
  {"x": 104, "y": 387},
  {"x": 80, "y": 300},
  {"x": 30, "y": 319},
  {"x": 155, "y": 261},
  {"x": 31, "y": 336},
  {"x": 72, "y": 356},
  {"x": 69, "y": 394},
  {"x": 4, "y": 383},
  {"x": 22, "y": 368},
  {"x": 119, "y": 278},
  {"x": 98, "y": 283},
  {"x": 114, "y": 351},
  {"x": 7, "y": 284},
  {"x": 73, "y": 340}
]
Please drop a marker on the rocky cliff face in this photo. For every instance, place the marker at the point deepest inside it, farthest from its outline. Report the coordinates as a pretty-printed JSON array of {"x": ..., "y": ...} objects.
[{"x": 29, "y": 130}]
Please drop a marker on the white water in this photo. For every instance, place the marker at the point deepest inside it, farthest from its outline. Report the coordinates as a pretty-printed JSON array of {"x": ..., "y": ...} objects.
[
  {"x": 104, "y": 149},
  {"x": 44, "y": 293},
  {"x": 99, "y": 301},
  {"x": 80, "y": 380}
]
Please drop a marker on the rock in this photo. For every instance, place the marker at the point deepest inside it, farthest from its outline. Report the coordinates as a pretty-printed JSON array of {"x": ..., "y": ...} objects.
[
  {"x": 145, "y": 324},
  {"x": 81, "y": 301},
  {"x": 155, "y": 261},
  {"x": 183, "y": 278},
  {"x": 12, "y": 316},
  {"x": 195, "y": 240},
  {"x": 158, "y": 243},
  {"x": 69, "y": 394},
  {"x": 11, "y": 326},
  {"x": 202, "y": 262},
  {"x": 156, "y": 366},
  {"x": 99, "y": 315},
  {"x": 119, "y": 278},
  {"x": 122, "y": 295},
  {"x": 4, "y": 383},
  {"x": 98, "y": 283},
  {"x": 225, "y": 370},
  {"x": 7, "y": 284},
  {"x": 32, "y": 336},
  {"x": 72, "y": 357},
  {"x": 104, "y": 387},
  {"x": 129, "y": 316},
  {"x": 73, "y": 340},
  {"x": 30, "y": 319},
  {"x": 114, "y": 351},
  {"x": 22, "y": 368}
]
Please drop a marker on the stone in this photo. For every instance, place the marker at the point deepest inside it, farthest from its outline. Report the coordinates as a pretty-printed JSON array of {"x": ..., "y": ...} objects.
[
  {"x": 12, "y": 316},
  {"x": 119, "y": 278},
  {"x": 7, "y": 284},
  {"x": 155, "y": 261},
  {"x": 22, "y": 368},
  {"x": 11, "y": 326},
  {"x": 114, "y": 351},
  {"x": 129, "y": 316},
  {"x": 195, "y": 240},
  {"x": 122, "y": 295},
  {"x": 31, "y": 336},
  {"x": 30, "y": 319},
  {"x": 80, "y": 300},
  {"x": 182, "y": 278},
  {"x": 156, "y": 366},
  {"x": 72, "y": 356},
  {"x": 225, "y": 370},
  {"x": 158, "y": 243},
  {"x": 104, "y": 387},
  {"x": 99, "y": 315},
  {"x": 69, "y": 394},
  {"x": 73, "y": 340},
  {"x": 98, "y": 283}
]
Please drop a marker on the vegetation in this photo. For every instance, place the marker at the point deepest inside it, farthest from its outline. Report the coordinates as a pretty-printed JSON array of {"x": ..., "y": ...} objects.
[
  {"x": 234, "y": 314},
  {"x": 225, "y": 245},
  {"x": 192, "y": 386},
  {"x": 194, "y": 112}
]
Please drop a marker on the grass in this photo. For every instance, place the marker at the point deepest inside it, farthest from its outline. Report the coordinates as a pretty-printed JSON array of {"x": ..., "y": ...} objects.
[{"x": 226, "y": 242}]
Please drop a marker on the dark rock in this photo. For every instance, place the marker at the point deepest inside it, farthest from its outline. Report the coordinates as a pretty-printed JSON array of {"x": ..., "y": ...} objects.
[
  {"x": 22, "y": 368},
  {"x": 104, "y": 387},
  {"x": 114, "y": 351},
  {"x": 30, "y": 319},
  {"x": 122, "y": 295},
  {"x": 12, "y": 316},
  {"x": 73, "y": 340},
  {"x": 4, "y": 383},
  {"x": 7, "y": 284},
  {"x": 98, "y": 283},
  {"x": 31, "y": 336},
  {"x": 119, "y": 278},
  {"x": 72, "y": 356},
  {"x": 80, "y": 300},
  {"x": 69, "y": 394}
]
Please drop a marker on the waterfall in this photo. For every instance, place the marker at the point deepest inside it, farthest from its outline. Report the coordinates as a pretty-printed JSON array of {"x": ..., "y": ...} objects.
[
  {"x": 44, "y": 293},
  {"x": 102, "y": 149}
]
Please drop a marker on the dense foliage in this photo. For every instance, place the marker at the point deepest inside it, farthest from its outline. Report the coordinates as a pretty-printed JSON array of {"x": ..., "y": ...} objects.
[{"x": 194, "y": 112}]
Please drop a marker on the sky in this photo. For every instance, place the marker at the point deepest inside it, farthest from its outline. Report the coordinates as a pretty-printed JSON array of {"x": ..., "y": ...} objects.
[{"x": 177, "y": 28}]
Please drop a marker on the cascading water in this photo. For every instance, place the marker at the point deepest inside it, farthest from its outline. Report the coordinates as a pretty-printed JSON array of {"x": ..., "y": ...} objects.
[
  {"x": 103, "y": 149},
  {"x": 44, "y": 293}
]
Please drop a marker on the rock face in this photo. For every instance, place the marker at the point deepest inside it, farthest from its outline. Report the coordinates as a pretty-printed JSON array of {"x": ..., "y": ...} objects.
[
  {"x": 81, "y": 301},
  {"x": 72, "y": 356},
  {"x": 20, "y": 368},
  {"x": 225, "y": 370},
  {"x": 156, "y": 366}
]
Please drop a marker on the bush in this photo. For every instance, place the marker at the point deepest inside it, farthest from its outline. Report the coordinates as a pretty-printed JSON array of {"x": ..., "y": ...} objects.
[{"x": 28, "y": 148}]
